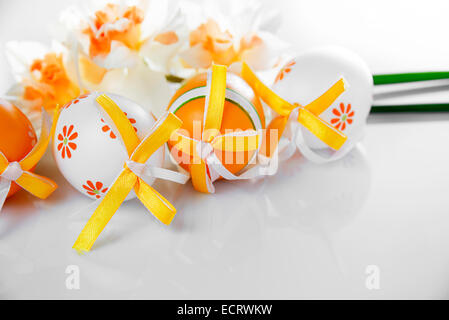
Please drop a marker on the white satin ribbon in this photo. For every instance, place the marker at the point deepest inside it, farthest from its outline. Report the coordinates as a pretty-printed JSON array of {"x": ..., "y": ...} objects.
[
  {"x": 293, "y": 139},
  {"x": 12, "y": 173},
  {"x": 264, "y": 166},
  {"x": 14, "y": 170},
  {"x": 205, "y": 150},
  {"x": 147, "y": 172}
]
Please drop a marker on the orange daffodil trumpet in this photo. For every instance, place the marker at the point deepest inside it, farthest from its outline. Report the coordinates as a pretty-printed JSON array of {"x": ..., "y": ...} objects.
[
  {"x": 45, "y": 77},
  {"x": 135, "y": 172},
  {"x": 228, "y": 32},
  {"x": 206, "y": 167},
  {"x": 296, "y": 114},
  {"x": 112, "y": 34},
  {"x": 137, "y": 48},
  {"x": 215, "y": 45},
  {"x": 20, "y": 173}
]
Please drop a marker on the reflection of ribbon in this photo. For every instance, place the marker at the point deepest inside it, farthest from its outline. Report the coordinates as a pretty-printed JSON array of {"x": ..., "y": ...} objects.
[
  {"x": 307, "y": 116},
  {"x": 134, "y": 173},
  {"x": 19, "y": 172},
  {"x": 206, "y": 167}
]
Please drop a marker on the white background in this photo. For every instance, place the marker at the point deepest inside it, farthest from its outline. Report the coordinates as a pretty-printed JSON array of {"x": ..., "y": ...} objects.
[{"x": 309, "y": 232}]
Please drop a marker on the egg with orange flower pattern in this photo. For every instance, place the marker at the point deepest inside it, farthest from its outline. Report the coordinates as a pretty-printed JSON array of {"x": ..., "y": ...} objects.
[
  {"x": 242, "y": 111},
  {"x": 87, "y": 148},
  {"x": 17, "y": 136},
  {"x": 310, "y": 74}
]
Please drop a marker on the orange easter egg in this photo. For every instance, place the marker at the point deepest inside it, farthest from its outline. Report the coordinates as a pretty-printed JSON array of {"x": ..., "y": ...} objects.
[
  {"x": 242, "y": 111},
  {"x": 17, "y": 136}
]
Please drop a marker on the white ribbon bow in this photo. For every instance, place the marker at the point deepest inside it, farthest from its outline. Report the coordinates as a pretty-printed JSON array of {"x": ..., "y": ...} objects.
[
  {"x": 12, "y": 173},
  {"x": 264, "y": 166},
  {"x": 205, "y": 150},
  {"x": 148, "y": 172},
  {"x": 293, "y": 138},
  {"x": 145, "y": 171}
]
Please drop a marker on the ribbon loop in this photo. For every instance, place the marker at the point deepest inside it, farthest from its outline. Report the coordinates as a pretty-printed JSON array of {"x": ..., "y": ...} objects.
[
  {"x": 319, "y": 105},
  {"x": 37, "y": 185},
  {"x": 134, "y": 173},
  {"x": 19, "y": 171},
  {"x": 281, "y": 106},
  {"x": 48, "y": 128},
  {"x": 206, "y": 166},
  {"x": 147, "y": 172},
  {"x": 136, "y": 167},
  {"x": 159, "y": 207},
  {"x": 240, "y": 141},
  {"x": 204, "y": 149},
  {"x": 12, "y": 172},
  {"x": 120, "y": 121},
  {"x": 308, "y": 116},
  {"x": 213, "y": 114},
  {"x": 321, "y": 129},
  {"x": 158, "y": 136}
]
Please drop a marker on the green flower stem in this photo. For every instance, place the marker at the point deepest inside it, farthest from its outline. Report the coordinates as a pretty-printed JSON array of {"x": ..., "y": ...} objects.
[
  {"x": 173, "y": 78},
  {"x": 381, "y": 79},
  {"x": 433, "y": 107}
]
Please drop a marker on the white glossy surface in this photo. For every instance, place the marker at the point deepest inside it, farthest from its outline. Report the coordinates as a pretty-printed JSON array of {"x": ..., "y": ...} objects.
[{"x": 287, "y": 236}]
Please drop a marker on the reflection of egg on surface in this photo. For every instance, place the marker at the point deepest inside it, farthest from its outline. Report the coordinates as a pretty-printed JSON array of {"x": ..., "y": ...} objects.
[
  {"x": 242, "y": 111},
  {"x": 327, "y": 206},
  {"x": 310, "y": 74},
  {"x": 17, "y": 136},
  {"x": 89, "y": 151}
]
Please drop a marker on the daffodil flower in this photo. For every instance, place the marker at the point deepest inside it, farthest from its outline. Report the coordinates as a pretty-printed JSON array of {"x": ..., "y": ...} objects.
[
  {"x": 228, "y": 32},
  {"x": 123, "y": 47},
  {"x": 45, "y": 77}
]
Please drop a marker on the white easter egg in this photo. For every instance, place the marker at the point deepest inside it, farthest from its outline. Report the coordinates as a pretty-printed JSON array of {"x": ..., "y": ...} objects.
[
  {"x": 88, "y": 152},
  {"x": 310, "y": 74}
]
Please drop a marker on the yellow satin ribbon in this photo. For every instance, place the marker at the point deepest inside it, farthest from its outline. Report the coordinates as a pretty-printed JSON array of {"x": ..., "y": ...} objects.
[
  {"x": 35, "y": 184},
  {"x": 308, "y": 115},
  {"x": 211, "y": 132},
  {"x": 138, "y": 151}
]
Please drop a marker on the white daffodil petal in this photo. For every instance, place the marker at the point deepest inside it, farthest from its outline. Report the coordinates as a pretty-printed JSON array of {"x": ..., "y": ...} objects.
[
  {"x": 20, "y": 56},
  {"x": 158, "y": 56},
  {"x": 197, "y": 57},
  {"x": 267, "y": 53},
  {"x": 159, "y": 16},
  {"x": 120, "y": 56},
  {"x": 243, "y": 26},
  {"x": 139, "y": 83}
]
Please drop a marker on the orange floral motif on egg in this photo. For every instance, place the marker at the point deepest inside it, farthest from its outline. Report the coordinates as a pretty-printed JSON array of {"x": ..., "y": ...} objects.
[
  {"x": 96, "y": 190},
  {"x": 286, "y": 69},
  {"x": 66, "y": 143},
  {"x": 344, "y": 116},
  {"x": 106, "y": 127},
  {"x": 75, "y": 101}
]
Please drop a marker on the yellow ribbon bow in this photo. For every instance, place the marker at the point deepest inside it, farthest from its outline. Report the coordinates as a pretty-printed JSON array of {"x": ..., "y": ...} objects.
[
  {"x": 139, "y": 152},
  {"x": 19, "y": 172},
  {"x": 206, "y": 167},
  {"x": 308, "y": 115}
]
